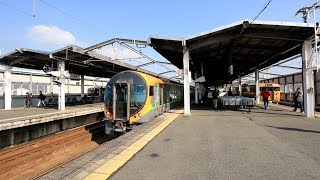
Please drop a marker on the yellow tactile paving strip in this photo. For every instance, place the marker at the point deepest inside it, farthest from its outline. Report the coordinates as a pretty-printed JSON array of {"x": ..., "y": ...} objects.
[{"x": 107, "y": 169}]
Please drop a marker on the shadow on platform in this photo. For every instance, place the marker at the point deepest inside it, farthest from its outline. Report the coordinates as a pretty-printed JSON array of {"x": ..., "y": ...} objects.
[{"x": 293, "y": 129}]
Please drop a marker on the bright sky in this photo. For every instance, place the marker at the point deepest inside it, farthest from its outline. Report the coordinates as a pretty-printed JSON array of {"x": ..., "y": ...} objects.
[{"x": 90, "y": 22}]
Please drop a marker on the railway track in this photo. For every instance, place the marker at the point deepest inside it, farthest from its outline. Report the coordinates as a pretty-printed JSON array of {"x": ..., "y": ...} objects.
[{"x": 33, "y": 158}]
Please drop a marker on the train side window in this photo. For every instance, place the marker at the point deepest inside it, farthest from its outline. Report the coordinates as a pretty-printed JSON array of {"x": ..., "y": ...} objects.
[{"x": 151, "y": 91}]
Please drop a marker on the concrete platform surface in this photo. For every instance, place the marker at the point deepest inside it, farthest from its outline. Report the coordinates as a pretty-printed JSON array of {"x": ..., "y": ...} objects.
[
  {"x": 263, "y": 144},
  {"x": 28, "y": 116}
]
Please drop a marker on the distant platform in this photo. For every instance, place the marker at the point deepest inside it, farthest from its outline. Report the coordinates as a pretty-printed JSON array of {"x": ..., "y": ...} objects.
[{"x": 20, "y": 117}]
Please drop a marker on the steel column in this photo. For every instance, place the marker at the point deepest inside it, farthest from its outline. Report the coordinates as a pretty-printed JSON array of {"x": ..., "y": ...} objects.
[
  {"x": 186, "y": 83},
  {"x": 196, "y": 93},
  {"x": 240, "y": 88},
  {"x": 30, "y": 84},
  {"x": 62, "y": 97},
  {"x": 51, "y": 87},
  {"x": 308, "y": 79},
  {"x": 7, "y": 87},
  {"x": 82, "y": 85},
  {"x": 257, "y": 85}
]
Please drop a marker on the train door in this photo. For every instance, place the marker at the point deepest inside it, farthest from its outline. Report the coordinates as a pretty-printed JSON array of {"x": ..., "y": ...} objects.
[
  {"x": 157, "y": 99},
  {"x": 121, "y": 101}
]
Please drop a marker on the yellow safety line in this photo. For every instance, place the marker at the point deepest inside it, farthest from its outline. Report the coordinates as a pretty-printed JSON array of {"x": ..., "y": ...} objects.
[{"x": 107, "y": 169}]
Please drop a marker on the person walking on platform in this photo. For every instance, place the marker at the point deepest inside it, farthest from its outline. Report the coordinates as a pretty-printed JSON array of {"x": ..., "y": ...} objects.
[
  {"x": 215, "y": 95},
  {"x": 298, "y": 99},
  {"x": 41, "y": 99},
  {"x": 265, "y": 96},
  {"x": 27, "y": 103}
]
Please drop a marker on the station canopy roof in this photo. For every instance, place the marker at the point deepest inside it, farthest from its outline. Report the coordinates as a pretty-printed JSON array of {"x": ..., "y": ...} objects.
[
  {"x": 244, "y": 44},
  {"x": 77, "y": 61}
]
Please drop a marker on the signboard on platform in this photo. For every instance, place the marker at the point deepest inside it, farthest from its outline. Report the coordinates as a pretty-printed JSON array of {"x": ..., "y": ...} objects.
[{"x": 75, "y": 76}]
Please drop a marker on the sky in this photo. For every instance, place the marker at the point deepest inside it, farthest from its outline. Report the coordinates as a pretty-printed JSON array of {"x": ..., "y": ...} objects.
[{"x": 85, "y": 23}]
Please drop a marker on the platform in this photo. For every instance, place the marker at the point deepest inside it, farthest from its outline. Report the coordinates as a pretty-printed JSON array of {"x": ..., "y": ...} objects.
[
  {"x": 21, "y": 117},
  {"x": 209, "y": 144}
]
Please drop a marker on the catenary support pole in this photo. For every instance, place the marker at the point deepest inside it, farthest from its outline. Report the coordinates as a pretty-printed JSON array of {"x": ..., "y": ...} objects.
[
  {"x": 82, "y": 85},
  {"x": 62, "y": 98},
  {"x": 308, "y": 79},
  {"x": 7, "y": 87},
  {"x": 240, "y": 87},
  {"x": 257, "y": 85},
  {"x": 186, "y": 83}
]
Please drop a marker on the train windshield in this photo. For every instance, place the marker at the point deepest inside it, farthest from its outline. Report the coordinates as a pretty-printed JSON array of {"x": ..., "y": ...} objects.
[
  {"x": 139, "y": 95},
  {"x": 276, "y": 89},
  {"x": 108, "y": 95}
]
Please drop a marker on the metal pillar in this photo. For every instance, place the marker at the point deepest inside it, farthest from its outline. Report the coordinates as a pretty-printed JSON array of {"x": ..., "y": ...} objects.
[
  {"x": 82, "y": 85},
  {"x": 257, "y": 85},
  {"x": 51, "y": 87},
  {"x": 196, "y": 89},
  {"x": 240, "y": 87},
  {"x": 196, "y": 93},
  {"x": 186, "y": 83},
  {"x": 62, "y": 97},
  {"x": 7, "y": 87},
  {"x": 308, "y": 79},
  {"x": 68, "y": 87},
  {"x": 30, "y": 84}
]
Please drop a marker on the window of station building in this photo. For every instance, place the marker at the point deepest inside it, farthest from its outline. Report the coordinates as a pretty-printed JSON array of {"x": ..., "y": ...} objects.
[
  {"x": 296, "y": 85},
  {"x": 16, "y": 88},
  {"x": 42, "y": 87},
  {"x": 1, "y": 88},
  {"x": 282, "y": 89},
  {"x": 290, "y": 88},
  {"x": 34, "y": 88},
  {"x": 151, "y": 91}
]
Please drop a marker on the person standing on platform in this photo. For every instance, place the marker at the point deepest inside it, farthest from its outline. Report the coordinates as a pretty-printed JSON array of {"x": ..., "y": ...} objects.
[
  {"x": 41, "y": 99},
  {"x": 215, "y": 95},
  {"x": 230, "y": 92},
  {"x": 298, "y": 99},
  {"x": 265, "y": 96}
]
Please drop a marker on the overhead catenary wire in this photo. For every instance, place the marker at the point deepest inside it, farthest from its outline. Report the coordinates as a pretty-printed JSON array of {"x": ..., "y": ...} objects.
[
  {"x": 27, "y": 13},
  {"x": 77, "y": 19},
  {"x": 17, "y": 9},
  {"x": 261, "y": 11},
  {"x": 61, "y": 11}
]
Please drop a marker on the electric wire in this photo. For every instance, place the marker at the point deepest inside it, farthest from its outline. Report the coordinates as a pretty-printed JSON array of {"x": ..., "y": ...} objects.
[
  {"x": 77, "y": 19},
  {"x": 261, "y": 11},
  {"x": 65, "y": 13}
]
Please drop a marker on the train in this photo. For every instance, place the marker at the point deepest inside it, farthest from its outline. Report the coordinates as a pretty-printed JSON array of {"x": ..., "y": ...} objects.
[{"x": 134, "y": 97}]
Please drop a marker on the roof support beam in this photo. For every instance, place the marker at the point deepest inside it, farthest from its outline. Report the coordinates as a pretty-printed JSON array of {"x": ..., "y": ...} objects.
[
  {"x": 271, "y": 74},
  {"x": 289, "y": 67},
  {"x": 275, "y": 35},
  {"x": 210, "y": 41},
  {"x": 118, "y": 40},
  {"x": 18, "y": 60},
  {"x": 166, "y": 72}
]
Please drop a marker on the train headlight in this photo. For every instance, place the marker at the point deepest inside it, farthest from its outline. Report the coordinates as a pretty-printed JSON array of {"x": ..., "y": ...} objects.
[{"x": 139, "y": 114}]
